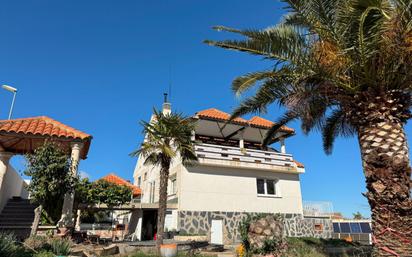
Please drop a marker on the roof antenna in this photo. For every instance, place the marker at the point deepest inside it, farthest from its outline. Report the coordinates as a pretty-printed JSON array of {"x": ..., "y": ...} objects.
[{"x": 170, "y": 82}]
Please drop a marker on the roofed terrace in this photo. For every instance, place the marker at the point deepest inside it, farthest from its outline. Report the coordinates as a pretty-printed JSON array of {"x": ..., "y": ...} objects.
[
  {"x": 238, "y": 143},
  {"x": 213, "y": 124}
]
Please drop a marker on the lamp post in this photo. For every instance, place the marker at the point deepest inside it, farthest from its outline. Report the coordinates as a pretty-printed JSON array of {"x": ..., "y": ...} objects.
[{"x": 14, "y": 91}]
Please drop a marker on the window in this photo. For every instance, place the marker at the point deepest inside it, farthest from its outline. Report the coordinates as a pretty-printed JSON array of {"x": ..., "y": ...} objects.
[
  {"x": 266, "y": 187},
  {"x": 139, "y": 181},
  {"x": 260, "y": 186},
  {"x": 173, "y": 186},
  {"x": 145, "y": 176},
  {"x": 152, "y": 192}
]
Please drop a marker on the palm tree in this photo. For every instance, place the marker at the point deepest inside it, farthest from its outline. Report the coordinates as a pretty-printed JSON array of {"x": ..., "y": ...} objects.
[
  {"x": 343, "y": 67},
  {"x": 168, "y": 138}
]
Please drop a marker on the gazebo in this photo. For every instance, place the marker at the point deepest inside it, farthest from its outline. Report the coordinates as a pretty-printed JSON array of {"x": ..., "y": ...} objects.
[{"x": 24, "y": 135}]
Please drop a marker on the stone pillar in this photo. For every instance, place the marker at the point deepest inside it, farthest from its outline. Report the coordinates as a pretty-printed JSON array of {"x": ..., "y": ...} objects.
[
  {"x": 66, "y": 219},
  {"x": 242, "y": 142},
  {"x": 4, "y": 163},
  {"x": 78, "y": 217},
  {"x": 282, "y": 145}
]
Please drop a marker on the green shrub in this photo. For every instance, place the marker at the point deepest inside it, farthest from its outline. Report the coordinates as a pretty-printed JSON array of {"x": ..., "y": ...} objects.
[
  {"x": 10, "y": 248},
  {"x": 305, "y": 247},
  {"x": 37, "y": 243},
  {"x": 61, "y": 246}
]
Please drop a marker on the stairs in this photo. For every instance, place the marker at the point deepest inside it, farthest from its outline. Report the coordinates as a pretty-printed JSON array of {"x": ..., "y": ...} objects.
[{"x": 17, "y": 217}]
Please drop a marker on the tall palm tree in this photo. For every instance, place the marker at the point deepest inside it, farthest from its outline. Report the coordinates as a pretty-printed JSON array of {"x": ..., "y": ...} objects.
[
  {"x": 343, "y": 67},
  {"x": 168, "y": 138}
]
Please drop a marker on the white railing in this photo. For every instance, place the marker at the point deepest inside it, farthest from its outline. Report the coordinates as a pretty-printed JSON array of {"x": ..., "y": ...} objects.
[
  {"x": 317, "y": 209},
  {"x": 228, "y": 153}
]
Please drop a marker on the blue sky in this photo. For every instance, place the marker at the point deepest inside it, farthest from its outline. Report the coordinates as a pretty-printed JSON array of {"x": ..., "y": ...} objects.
[{"x": 100, "y": 66}]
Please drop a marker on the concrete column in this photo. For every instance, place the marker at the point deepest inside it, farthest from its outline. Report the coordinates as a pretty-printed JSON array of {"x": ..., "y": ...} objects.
[
  {"x": 67, "y": 211},
  {"x": 77, "y": 226},
  {"x": 282, "y": 145},
  {"x": 241, "y": 141},
  {"x": 4, "y": 164}
]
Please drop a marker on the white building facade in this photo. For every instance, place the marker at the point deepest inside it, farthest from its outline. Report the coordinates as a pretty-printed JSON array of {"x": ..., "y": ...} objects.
[{"x": 234, "y": 176}]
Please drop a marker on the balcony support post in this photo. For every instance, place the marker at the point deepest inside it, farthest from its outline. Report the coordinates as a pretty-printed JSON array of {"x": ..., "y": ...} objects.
[{"x": 282, "y": 145}]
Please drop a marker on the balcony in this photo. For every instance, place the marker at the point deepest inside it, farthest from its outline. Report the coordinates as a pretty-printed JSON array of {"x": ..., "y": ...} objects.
[{"x": 218, "y": 155}]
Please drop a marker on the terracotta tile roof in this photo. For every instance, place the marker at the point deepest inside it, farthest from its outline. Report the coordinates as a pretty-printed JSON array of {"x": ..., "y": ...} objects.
[
  {"x": 256, "y": 121},
  {"x": 43, "y": 126},
  {"x": 299, "y": 164},
  {"x": 261, "y": 122},
  {"x": 219, "y": 115},
  {"x": 112, "y": 178}
]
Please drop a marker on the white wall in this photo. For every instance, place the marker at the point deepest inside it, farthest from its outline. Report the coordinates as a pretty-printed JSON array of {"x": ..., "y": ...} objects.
[
  {"x": 204, "y": 188},
  {"x": 153, "y": 175},
  {"x": 12, "y": 185}
]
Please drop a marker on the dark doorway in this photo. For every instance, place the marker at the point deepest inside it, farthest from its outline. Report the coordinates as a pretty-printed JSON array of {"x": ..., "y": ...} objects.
[{"x": 149, "y": 224}]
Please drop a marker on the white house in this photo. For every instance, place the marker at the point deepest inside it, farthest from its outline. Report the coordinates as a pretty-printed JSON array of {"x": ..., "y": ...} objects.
[{"x": 234, "y": 176}]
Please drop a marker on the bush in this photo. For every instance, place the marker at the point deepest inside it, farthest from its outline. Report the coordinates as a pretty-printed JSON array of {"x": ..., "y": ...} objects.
[
  {"x": 61, "y": 246},
  {"x": 37, "y": 243},
  {"x": 304, "y": 247},
  {"x": 10, "y": 248}
]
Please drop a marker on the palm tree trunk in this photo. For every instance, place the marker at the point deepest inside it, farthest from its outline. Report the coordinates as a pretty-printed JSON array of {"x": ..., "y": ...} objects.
[
  {"x": 161, "y": 214},
  {"x": 386, "y": 165}
]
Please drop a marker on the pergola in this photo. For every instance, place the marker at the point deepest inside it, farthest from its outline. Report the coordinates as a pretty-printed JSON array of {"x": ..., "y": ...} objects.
[
  {"x": 23, "y": 136},
  {"x": 215, "y": 123}
]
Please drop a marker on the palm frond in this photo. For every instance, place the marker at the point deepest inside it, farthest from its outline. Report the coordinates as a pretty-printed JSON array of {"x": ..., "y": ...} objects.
[
  {"x": 335, "y": 125},
  {"x": 282, "y": 42},
  {"x": 282, "y": 121},
  {"x": 271, "y": 90},
  {"x": 245, "y": 82}
]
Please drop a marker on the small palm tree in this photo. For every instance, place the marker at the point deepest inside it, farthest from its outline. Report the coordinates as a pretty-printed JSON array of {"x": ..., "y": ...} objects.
[
  {"x": 344, "y": 67},
  {"x": 168, "y": 138}
]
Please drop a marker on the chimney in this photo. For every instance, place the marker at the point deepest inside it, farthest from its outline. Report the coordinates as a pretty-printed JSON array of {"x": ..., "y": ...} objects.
[{"x": 167, "y": 107}]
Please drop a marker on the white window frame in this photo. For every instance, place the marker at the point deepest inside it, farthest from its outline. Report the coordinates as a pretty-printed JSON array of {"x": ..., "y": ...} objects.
[
  {"x": 173, "y": 186},
  {"x": 277, "y": 188}
]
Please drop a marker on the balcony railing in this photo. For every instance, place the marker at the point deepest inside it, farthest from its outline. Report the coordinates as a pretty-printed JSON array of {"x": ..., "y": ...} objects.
[
  {"x": 317, "y": 209},
  {"x": 217, "y": 153}
]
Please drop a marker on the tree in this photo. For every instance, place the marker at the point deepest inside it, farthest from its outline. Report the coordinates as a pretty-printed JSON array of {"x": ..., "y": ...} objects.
[
  {"x": 168, "y": 138},
  {"x": 100, "y": 192},
  {"x": 358, "y": 216},
  {"x": 343, "y": 67},
  {"x": 49, "y": 169}
]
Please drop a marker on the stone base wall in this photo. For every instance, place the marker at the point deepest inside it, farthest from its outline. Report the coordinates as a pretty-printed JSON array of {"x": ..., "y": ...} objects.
[{"x": 199, "y": 223}]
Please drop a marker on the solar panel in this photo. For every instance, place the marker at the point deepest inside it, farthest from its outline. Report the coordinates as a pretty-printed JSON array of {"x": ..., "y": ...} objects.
[
  {"x": 344, "y": 228},
  {"x": 365, "y": 227},
  {"x": 355, "y": 227},
  {"x": 336, "y": 228}
]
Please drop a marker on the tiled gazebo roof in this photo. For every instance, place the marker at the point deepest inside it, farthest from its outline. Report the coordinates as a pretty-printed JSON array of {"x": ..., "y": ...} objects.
[{"x": 25, "y": 134}]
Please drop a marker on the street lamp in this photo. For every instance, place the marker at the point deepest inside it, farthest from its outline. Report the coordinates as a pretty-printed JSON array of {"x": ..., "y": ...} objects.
[{"x": 14, "y": 91}]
